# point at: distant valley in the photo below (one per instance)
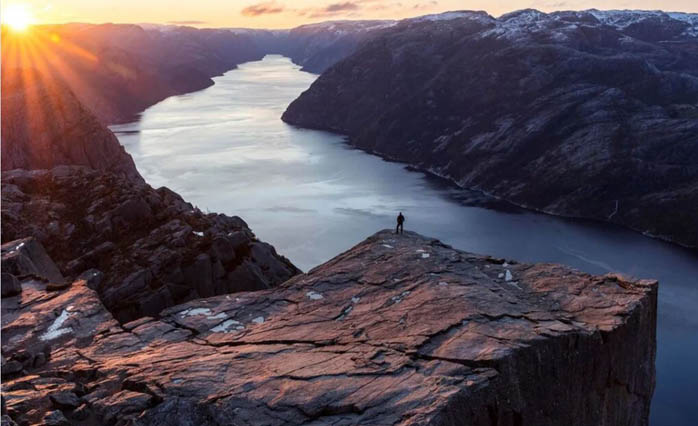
(585, 114)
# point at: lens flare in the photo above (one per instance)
(17, 16)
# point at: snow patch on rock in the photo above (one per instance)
(227, 326)
(313, 295)
(195, 311)
(56, 329)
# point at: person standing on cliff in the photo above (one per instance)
(400, 221)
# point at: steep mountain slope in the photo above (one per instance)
(588, 114)
(44, 125)
(317, 47)
(117, 70)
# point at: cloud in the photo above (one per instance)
(187, 22)
(265, 8)
(341, 7)
(426, 5)
(346, 7)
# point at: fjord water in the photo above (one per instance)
(312, 196)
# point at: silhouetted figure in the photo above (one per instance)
(400, 221)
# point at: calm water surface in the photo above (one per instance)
(309, 194)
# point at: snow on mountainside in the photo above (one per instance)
(580, 113)
(447, 16)
(557, 24)
(345, 27)
(622, 19)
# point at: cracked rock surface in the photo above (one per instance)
(142, 249)
(398, 330)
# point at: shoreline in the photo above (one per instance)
(451, 181)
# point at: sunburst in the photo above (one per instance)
(18, 17)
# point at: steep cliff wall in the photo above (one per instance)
(398, 330)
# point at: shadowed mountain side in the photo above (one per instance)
(44, 125)
(117, 70)
(586, 114)
(396, 331)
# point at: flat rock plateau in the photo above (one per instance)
(397, 330)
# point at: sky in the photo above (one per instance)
(291, 13)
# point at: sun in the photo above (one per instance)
(17, 16)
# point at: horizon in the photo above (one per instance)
(277, 15)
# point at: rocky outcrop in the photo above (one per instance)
(397, 330)
(140, 248)
(585, 114)
(44, 125)
(27, 257)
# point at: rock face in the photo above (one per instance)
(44, 125)
(586, 114)
(398, 330)
(27, 257)
(142, 249)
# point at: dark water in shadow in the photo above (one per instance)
(312, 196)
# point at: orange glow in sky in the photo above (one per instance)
(285, 13)
(17, 16)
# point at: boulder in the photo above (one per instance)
(65, 400)
(397, 330)
(55, 418)
(10, 285)
(27, 256)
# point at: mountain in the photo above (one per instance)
(316, 47)
(118, 70)
(44, 125)
(398, 330)
(586, 114)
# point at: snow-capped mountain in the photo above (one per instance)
(591, 114)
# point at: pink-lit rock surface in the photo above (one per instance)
(397, 330)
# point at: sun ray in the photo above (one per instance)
(18, 16)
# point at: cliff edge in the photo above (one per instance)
(397, 330)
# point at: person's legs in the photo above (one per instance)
(400, 226)
(397, 228)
